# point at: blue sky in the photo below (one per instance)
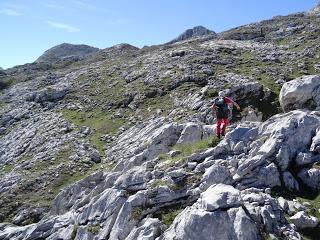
(28, 28)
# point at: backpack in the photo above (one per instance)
(222, 109)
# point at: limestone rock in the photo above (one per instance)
(301, 220)
(311, 177)
(220, 196)
(301, 93)
(191, 133)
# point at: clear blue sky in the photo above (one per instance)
(28, 28)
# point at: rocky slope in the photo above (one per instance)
(119, 145)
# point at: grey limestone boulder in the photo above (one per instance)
(220, 196)
(217, 173)
(315, 145)
(303, 92)
(191, 133)
(311, 177)
(148, 229)
(301, 220)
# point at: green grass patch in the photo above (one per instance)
(269, 83)
(6, 169)
(188, 149)
(136, 213)
(211, 93)
(62, 156)
(24, 158)
(315, 205)
(168, 218)
(94, 229)
(100, 123)
(168, 214)
(283, 41)
(6, 83)
(158, 183)
(3, 105)
(194, 179)
(74, 232)
(311, 234)
(150, 105)
(246, 56)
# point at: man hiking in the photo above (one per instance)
(220, 107)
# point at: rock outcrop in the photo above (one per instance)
(301, 93)
(315, 10)
(235, 199)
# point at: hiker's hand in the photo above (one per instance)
(238, 108)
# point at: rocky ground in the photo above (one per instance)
(117, 144)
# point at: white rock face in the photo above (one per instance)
(197, 223)
(301, 220)
(220, 196)
(310, 177)
(148, 229)
(191, 133)
(280, 139)
(217, 173)
(315, 146)
(303, 92)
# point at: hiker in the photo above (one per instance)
(220, 107)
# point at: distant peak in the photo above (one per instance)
(196, 31)
(316, 9)
(67, 51)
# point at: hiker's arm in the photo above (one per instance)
(213, 109)
(235, 104)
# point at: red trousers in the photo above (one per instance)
(221, 129)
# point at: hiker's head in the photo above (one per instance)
(221, 94)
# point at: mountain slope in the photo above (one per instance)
(115, 145)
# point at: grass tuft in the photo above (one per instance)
(136, 213)
(188, 149)
(94, 229)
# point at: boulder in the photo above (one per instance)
(217, 173)
(197, 223)
(310, 177)
(303, 92)
(303, 159)
(280, 139)
(315, 145)
(301, 220)
(220, 196)
(148, 229)
(191, 133)
(290, 182)
(48, 94)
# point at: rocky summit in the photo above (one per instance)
(198, 31)
(66, 51)
(119, 143)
